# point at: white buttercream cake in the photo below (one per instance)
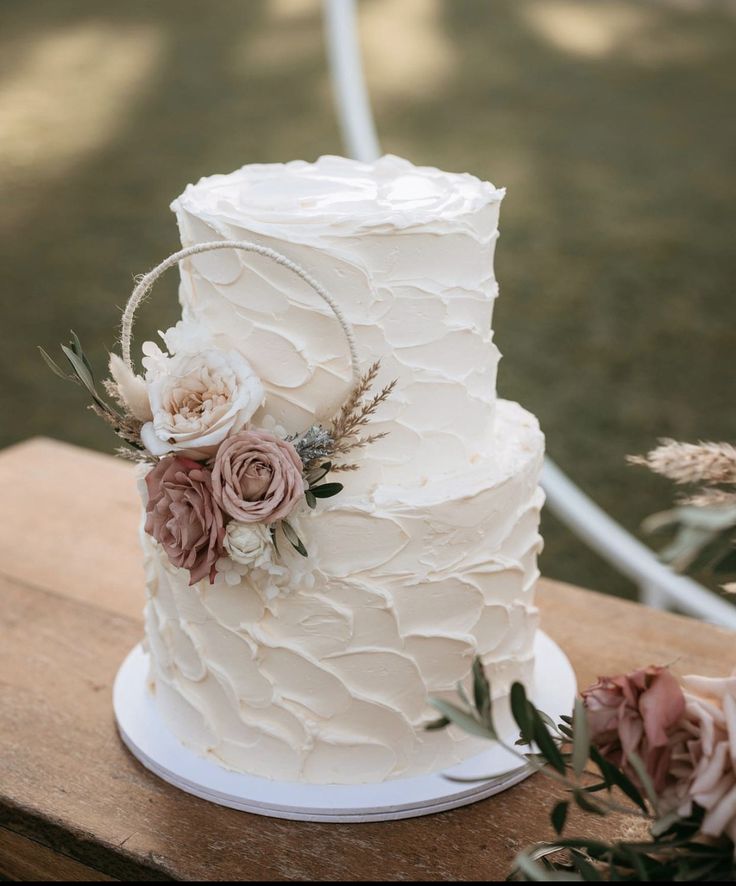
(429, 556)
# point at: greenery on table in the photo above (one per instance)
(704, 519)
(564, 753)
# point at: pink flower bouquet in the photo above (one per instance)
(641, 744)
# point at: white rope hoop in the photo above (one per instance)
(145, 284)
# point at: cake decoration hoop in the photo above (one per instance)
(145, 734)
(145, 284)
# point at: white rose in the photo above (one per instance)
(197, 399)
(248, 544)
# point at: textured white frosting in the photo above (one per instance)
(331, 683)
(408, 253)
(428, 557)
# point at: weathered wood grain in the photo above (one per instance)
(69, 522)
(67, 784)
(24, 859)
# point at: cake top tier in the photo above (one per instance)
(337, 191)
(406, 252)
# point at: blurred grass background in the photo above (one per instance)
(612, 124)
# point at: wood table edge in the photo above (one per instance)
(84, 849)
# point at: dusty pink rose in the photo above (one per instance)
(704, 756)
(636, 713)
(183, 517)
(257, 477)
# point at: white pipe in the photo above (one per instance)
(348, 84)
(566, 501)
(628, 555)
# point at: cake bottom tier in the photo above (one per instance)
(321, 670)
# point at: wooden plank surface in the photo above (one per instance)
(25, 859)
(69, 521)
(68, 785)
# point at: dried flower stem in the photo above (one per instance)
(691, 462)
(356, 413)
(126, 427)
(710, 498)
(345, 467)
(137, 456)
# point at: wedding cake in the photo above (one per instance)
(319, 668)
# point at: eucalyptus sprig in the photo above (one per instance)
(704, 518)
(564, 753)
(82, 374)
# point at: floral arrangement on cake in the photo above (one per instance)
(644, 745)
(221, 492)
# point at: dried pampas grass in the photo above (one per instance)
(129, 390)
(708, 463)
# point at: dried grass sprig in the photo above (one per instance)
(704, 521)
(125, 426)
(137, 456)
(709, 498)
(684, 463)
(346, 415)
(357, 412)
(113, 392)
(319, 445)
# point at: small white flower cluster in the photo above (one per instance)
(250, 549)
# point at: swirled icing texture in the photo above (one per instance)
(407, 252)
(331, 684)
(428, 557)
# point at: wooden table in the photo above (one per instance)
(74, 805)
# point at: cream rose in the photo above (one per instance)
(703, 756)
(197, 399)
(248, 544)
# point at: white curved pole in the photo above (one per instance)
(627, 554)
(348, 84)
(145, 284)
(658, 584)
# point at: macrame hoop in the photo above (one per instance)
(145, 284)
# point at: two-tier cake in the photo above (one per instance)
(319, 668)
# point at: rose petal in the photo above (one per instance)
(661, 706)
(720, 816)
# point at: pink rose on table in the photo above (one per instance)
(257, 477)
(703, 758)
(183, 517)
(636, 713)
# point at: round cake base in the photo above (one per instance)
(147, 737)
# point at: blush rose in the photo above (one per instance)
(703, 760)
(183, 517)
(636, 713)
(257, 477)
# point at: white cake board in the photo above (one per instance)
(144, 732)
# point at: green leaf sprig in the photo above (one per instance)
(82, 374)
(564, 753)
